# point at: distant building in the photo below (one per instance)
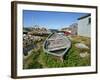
(84, 26)
(74, 28)
(71, 30)
(39, 30)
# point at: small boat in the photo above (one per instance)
(56, 44)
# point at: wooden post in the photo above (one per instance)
(61, 58)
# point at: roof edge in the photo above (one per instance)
(84, 16)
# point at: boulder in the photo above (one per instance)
(81, 45)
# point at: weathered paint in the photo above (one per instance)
(84, 27)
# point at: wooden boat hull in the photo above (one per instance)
(56, 44)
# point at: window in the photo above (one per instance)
(89, 20)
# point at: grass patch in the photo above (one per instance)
(40, 59)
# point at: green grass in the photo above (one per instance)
(40, 59)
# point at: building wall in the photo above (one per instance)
(84, 27)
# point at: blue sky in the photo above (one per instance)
(51, 20)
